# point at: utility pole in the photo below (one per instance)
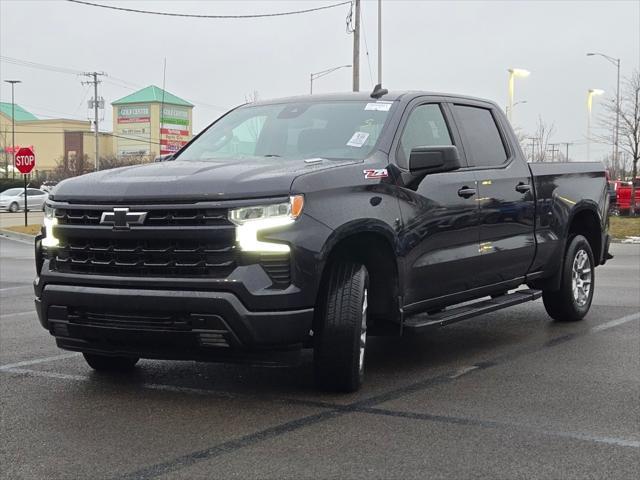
(533, 149)
(95, 103)
(380, 42)
(554, 149)
(356, 49)
(566, 147)
(13, 133)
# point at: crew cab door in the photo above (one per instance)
(505, 193)
(439, 235)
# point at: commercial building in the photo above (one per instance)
(54, 141)
(149, 122)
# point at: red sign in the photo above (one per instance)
(25, 160)
(134, 119)
(173, 131)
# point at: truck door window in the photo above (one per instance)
(425, 127)
(485, 147)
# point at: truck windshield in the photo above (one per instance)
(331, 130)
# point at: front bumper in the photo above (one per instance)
(166, 324)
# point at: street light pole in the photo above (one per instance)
(616, 62)
(590, 94)
(323, 73)
(13, 130)
(513, 73)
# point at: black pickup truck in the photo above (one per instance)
(317, 221)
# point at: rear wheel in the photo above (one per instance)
(340, 343)
(106, 363)
(572, 301)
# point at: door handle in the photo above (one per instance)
(466, 192)
(523, 187)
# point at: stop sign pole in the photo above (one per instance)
(25, 161)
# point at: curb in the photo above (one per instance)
(23, 237)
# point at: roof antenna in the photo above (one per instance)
(378, 91)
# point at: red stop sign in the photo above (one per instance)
(25, 160)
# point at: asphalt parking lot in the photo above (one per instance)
(508, 395)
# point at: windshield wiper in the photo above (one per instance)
(272, 155)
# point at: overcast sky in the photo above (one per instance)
(450, 46)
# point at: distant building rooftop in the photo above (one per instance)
(152, 94)
(21, 114)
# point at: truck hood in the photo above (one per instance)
(190, 181)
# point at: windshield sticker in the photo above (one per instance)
(358, 139)
(374, 173)
(379, 106)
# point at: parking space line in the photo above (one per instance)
(468, 421)
(15, 368)
(17, 314)
(38, 360)
(44, 374)
(11, 289)
(464, 371)
(615, 323)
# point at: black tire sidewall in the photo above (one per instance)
(14, 207)
(337, 344)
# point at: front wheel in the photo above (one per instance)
(13, 208)
(341, 339)
(572, 301)
(106, 363)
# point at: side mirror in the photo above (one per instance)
(434, 159)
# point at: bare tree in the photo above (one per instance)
(629, 130)
(71, 166)
(540, 141)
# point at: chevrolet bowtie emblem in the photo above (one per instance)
(122, 218)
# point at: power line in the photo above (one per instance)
(190, 15)
(41, 66)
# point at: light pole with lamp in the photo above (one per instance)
(323, 73)
(616, 62)
(513, 73)
(13, 130)
(590, 95)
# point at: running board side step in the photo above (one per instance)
(465, 312)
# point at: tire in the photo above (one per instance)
(14, 207)
(340, 343)
(572, 301)
(106, 363)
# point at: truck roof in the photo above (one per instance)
(406, 95)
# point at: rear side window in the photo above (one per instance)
(425, 127)
(484, 143)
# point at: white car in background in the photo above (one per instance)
(13, 199)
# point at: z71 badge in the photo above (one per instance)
(373, 173)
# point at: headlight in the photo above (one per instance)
(49, 221)
(251, 220)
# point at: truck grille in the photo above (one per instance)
(156, 217)
(179, 242)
